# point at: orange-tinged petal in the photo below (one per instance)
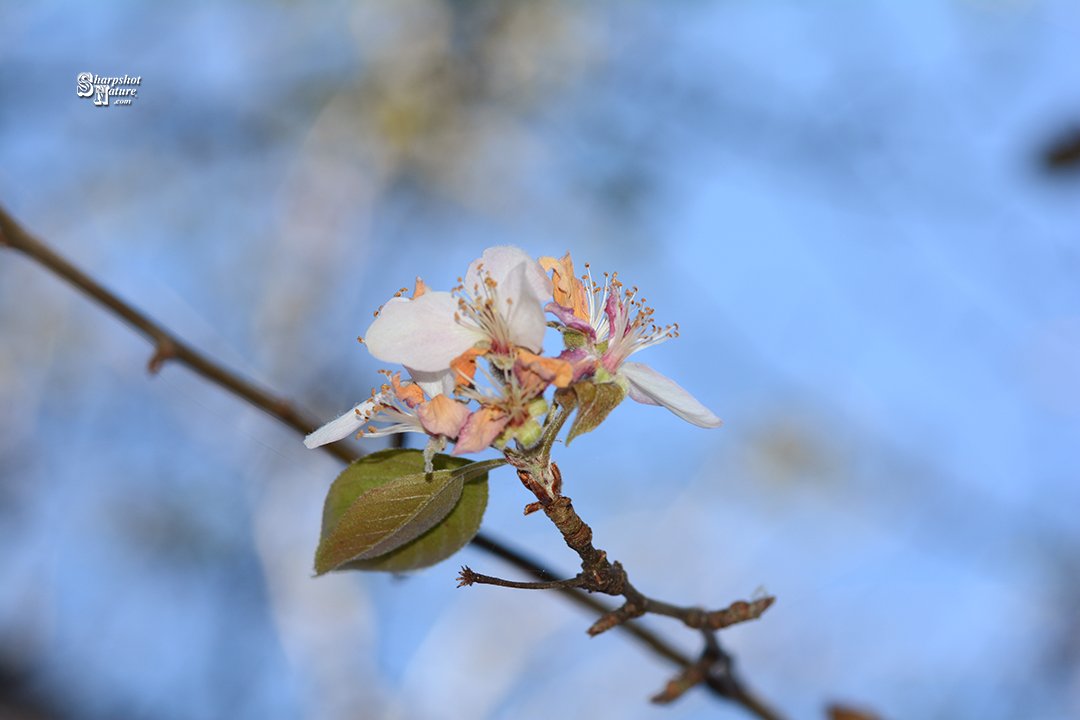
(567, 290)
(557, 372)
(420, 289)
(561, 275)
(443, 415)
(410, 394)
(464, 365)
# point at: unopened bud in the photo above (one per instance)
(529, 433)
(537, 407)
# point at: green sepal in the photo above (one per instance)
(573, 339)
(594, 402)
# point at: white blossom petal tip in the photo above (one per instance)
(498, 262)
(650, 387)
(339, 428)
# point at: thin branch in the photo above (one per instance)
(598, 574)
(468, 577)
(533, 569)
(169, 347)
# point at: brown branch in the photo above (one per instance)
(534, 569)
(168, 347)
(713, 661)
(598, 574)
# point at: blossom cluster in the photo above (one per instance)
(498, 313)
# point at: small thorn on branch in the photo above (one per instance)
(714, 665)
(692, 675)
(626, 611)
(164, 352)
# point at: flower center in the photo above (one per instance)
(488, 312)
(623, 321)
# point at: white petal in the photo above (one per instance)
(420, 333)
(650, 387)
(346, 425)
(525, 313)
(433, 383)
(500, 261)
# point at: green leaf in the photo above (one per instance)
(384, 502)
(438, 543)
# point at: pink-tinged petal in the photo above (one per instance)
(500, 261)
(650, 387)
(443, 416)
(617, 317)
(348, 424)
(421, 333)
(525, 312)
(583, 362)
(567, 317)
(480, 430)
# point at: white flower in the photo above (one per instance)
(498, 307)
(614, 326)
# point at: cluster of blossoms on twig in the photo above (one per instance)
(498, 313)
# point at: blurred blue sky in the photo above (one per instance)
(845, 207)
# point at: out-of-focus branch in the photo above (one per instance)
(166, 345)
(169, 347)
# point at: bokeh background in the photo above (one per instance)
(863, 216)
